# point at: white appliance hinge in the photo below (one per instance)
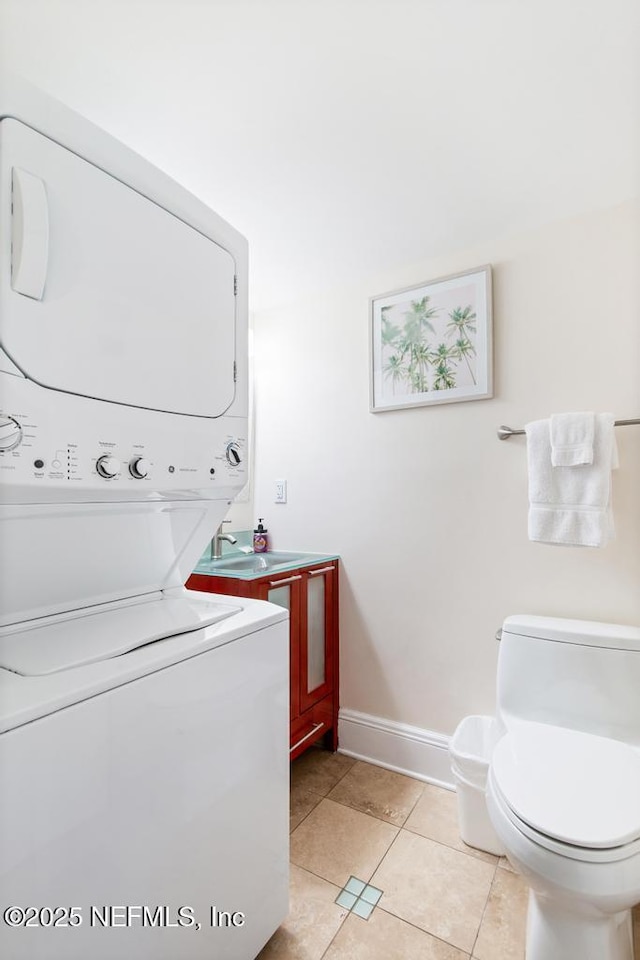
(235, 285)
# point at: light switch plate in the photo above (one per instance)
(281, 491)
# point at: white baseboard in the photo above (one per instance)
(413, 751)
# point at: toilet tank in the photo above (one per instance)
(573, 673)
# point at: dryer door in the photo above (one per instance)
(106, 294)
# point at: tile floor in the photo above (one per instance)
(362, 829)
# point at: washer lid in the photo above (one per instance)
(105, 632)
(576, 787)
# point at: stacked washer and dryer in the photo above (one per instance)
(143, 728)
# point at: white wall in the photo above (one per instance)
(427, 508)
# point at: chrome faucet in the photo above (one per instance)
(216, 543)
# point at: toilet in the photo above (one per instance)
(563, 791)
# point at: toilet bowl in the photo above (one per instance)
(566, 806)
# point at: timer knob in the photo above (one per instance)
(139, 468)
(108, 466)
(233, 454)
(10, 433)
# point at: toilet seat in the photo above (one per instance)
(570, 851)
(574, 793)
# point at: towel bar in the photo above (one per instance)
(505, 432)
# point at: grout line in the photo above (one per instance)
(333, 882)
(342, 922)
(484, 910)
(346, 912)
(333, 785)
(428, 932)
(320, 798)
(318, 876)
(443, 843)
(348, 770)
(363, 813)
(417, 801)
(382, 859)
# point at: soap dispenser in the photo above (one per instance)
(260, 538)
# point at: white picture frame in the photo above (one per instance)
(432, 343)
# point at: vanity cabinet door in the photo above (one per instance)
(318, 633)
(286, 592)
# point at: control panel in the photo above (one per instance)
(53, 441)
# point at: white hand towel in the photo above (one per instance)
(571, 438)
(571, 505)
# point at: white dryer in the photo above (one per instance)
(143, 728)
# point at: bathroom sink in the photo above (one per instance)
(262, 561)
(257, 562)
(254, 565)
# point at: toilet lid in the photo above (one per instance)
(579, 788)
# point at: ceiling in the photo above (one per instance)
(345, 137)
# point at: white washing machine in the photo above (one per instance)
(143, 728)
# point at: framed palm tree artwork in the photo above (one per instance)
(432, 343)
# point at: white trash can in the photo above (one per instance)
(470, 751)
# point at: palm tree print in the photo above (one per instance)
(461, 324)
(420, 315)
(390, 332)
(466, 349)
(462, 321)
(394, 369)
(419, 359)
(410, 358)
(441, 359)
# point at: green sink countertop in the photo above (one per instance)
(250, 566)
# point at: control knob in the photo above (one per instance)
(233, 454)
(108, 466)
(139, 468)
(10, 433)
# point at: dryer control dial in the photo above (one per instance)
(10, 433)
(108, 466)
(139, 468)
(233, 454)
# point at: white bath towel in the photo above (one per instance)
(571, 438)
(571, 505)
